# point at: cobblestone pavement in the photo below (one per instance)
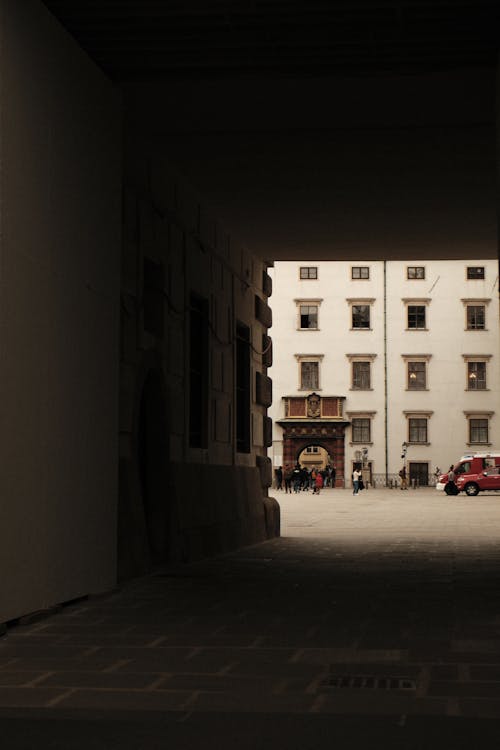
(373, 616)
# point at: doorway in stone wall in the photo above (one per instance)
(152, 456)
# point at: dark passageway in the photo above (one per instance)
(155, 160)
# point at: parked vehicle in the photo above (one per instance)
(474, 473)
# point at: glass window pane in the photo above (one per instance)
(361, 430)
(475, 272)
(361, 316)
(415, 272)
(308, 316)
(418, 430)
(309, 375)
(308, 272)
(360, 272)
(416, 376)
(361, 375)
(478, 430)
(416, 316)
(475, 317)
(476, 376)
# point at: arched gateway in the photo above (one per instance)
(315, 420)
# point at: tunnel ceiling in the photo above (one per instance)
(154, 39)
(316, 129)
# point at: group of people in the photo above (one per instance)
(301, 479)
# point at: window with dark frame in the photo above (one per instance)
(308, 316)
(309, 375)
(198, 372)
(308, 272)
(361, 376)
(416, 316)
(242, 388)
(478, 431)
(476, 317)
(415, 272)
(417, 430)
(360, 272)
(361, 316)
(417, 376)
(361, 430)
(476, 376)
(475, 272)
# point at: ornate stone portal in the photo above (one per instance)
(315, 420)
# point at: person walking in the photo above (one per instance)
(356, 474)
(333, 474)
(279, 478)
(296, 478)
(404, 482)
(318, 483)
(450, 487)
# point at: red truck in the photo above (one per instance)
(474, 473)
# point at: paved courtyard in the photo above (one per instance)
(374, 621)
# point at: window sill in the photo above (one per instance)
(416, 329)
(477, 390)
(308, 329)
(361, 442)
(361, 389)
(410, 443)
(475, 330)
(361, 329)
(312, 388)
(412, 390)
(484, 444)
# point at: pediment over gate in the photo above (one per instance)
(314, 406)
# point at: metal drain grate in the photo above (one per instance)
(369, 682)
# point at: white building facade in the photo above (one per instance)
(385, 363)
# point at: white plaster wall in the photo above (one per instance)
(446, 340)
(59, 285)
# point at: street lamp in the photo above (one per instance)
(404, 448)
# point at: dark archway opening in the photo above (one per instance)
(152, 455)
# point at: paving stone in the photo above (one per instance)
(109, 680)
(18, 678)
(28, 697)
(253, 703)
(483, 708)
(465, 689)
(126, 700)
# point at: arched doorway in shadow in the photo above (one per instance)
(152, 458)
(314, 457)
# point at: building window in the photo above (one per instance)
(308, 315)
(478, 430)
(417, 430)
(475, 272)
(416, 316)
(243, 381)
(312, 449)
(361, 316)
(415, 272)
(361, 430)
(361, 380)
(198, 372)
(476, 317)
(309, 375)
(308, 272)
(476, 376)
(417, 376)
(360, 272)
